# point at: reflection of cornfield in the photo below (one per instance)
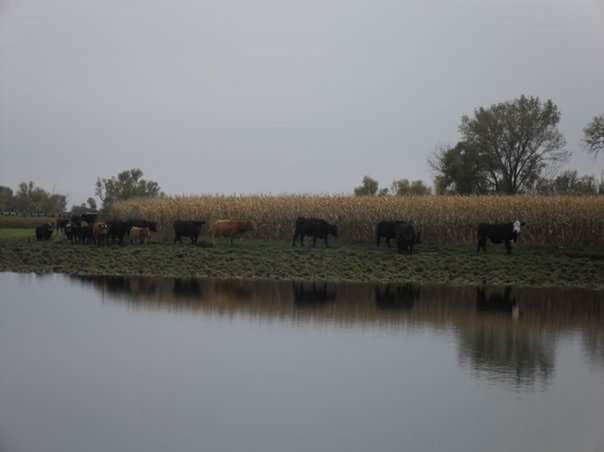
(550, 220)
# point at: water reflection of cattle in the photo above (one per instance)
(394, 298)
(502, 302)
(313, 294)
(234, 290)
(187, 288)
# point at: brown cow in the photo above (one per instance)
(100, 231)
(231, 228)
(139, 234)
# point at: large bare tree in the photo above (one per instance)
(516, 141)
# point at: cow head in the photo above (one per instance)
(516, 229)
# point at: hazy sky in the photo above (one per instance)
(276, 95)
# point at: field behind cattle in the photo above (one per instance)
(563, 221)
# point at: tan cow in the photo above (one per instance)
(140, 235)
(231, 228)
(100, 231)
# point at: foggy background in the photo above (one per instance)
(277, 96)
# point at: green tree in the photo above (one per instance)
(568, 183)
(6, 198)
(369, 187)
(30, 198)
(400, 187)
(91, 203)
(404, 187)
(459, 170)
(127, 184)
(516, 141)
(418, 188)
(593, 135)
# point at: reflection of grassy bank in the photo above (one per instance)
(257, 259)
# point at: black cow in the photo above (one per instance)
(84, 232)
(387, 229)
(118, 230)
(498, 233)
(68, 231)
(152, 225)
(190, 229)
(44, 231)
(61, 223)
(89, 218)
(315, 228)
(406, 237)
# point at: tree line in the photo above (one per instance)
(32, 200)
(510, 148)
(514, 147)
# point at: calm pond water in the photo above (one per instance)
(138, 364)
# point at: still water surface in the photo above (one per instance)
(140, 364)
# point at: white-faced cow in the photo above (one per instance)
(498, 233)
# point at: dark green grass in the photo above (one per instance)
(258, 259)
(24, 222)
(16, 233)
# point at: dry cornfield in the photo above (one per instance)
(558, 221)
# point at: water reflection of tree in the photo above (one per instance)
(500, 349)
(593, 344)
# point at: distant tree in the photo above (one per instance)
(568, 183)
(30, 198)
(383, 192)
(459, 170)
(400, 187)
(516, 141)
(369, 187)
(418, 188)
(593, 135)
(6, 198)
(127, 184)
(404, 187)
(91, 203)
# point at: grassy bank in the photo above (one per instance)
(273, 259)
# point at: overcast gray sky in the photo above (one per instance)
(276, 95)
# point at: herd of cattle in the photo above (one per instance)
(86, 229)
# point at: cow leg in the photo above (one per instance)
(326, 242)
(482, 243)
(294, 240)
(508, 246)
(377, 242)
(388, 241)
(314, 241)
